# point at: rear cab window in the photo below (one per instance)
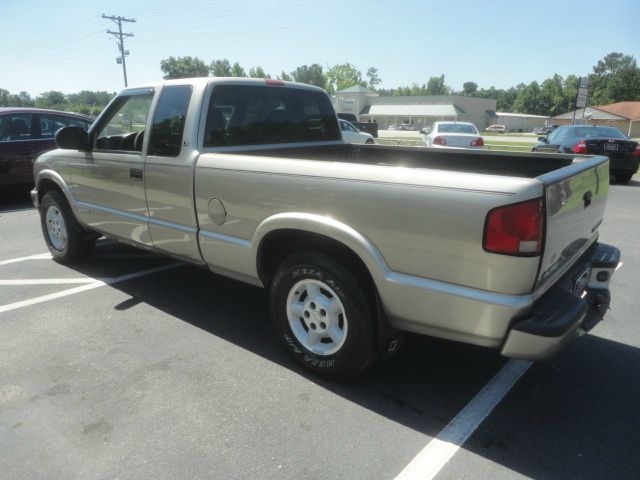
(244, 115)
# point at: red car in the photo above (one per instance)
(25, 133)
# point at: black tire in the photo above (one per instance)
(67, 241)
(369, 142)
(356, 351)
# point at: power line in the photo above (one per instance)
(120, 37)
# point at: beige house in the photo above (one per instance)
(419, 111)
(623, 115)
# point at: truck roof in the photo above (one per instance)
(204, 81)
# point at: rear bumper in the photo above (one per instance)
(564, 313)
(624, 165)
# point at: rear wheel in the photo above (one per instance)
(322, 315)
(62, 233)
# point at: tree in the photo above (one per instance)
(436, 86)
(469, 88)
(50, 99)
(183, 67)
(310, 74)
(552, 100)
(285, 76)
(238, 71)
(258, 72)
(220, 68)
(529, 100)
(374, 79)
(343, 76)
(615, 78)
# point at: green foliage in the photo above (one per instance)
(615, 78)
(183, 67)
(285, 76)
(258, 72)
(374, 79)
(238, 71)
(469, 88)
(310, 74)
(436, 86)
(220, 68)
(343, 76)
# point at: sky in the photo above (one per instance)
(63, 45)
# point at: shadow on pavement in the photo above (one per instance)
(575, 416)
(15, 198)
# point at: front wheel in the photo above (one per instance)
(369, 142)
(322, 315)
(61, 231)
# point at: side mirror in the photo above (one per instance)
(72, 138)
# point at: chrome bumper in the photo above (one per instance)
(563, 313)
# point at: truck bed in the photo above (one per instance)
(525, 165)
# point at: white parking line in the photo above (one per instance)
(47, 281)
(618, 267)
(39, 256)
(439, 451)
(95, 283)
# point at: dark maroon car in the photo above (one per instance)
(623, 153)
(25, 133)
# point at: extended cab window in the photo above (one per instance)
(168, 121)
(125, 123)
(261, 115)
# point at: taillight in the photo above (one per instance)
(515, 229)
(636, 152)
(271, 81)
(580, 147)
(478, 142)
(439, 141)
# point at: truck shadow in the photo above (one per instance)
(572, 417)
(15, 198)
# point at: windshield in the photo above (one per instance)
(599, 132)
(457, 128)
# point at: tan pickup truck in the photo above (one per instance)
(355, 244)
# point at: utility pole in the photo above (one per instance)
(120, 37)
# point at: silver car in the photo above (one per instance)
(453, 134)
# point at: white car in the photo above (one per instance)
(453, 134)
(351, 134)
(496, 129)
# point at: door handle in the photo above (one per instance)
(135, 174)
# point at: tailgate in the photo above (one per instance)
(575, 199)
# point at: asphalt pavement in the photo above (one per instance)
(136, 366)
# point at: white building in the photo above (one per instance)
(520, 122)
(419, 111)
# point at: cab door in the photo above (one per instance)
(108, 181)
(169, 169)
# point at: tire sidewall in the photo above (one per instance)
(357, 351)
(73, 247)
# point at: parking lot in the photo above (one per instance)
(136, 366)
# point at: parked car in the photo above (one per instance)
(366, 127)
(353, 245)
(623, 153)
(407, 126)
(392, 127)
(25, 133)
(496, 129)
(453, 134)
(546, 130)
(351, 134)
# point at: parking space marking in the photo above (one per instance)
(39, 256)
(95, 283)
(618, 267)
(46, 281)
(441, 449)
